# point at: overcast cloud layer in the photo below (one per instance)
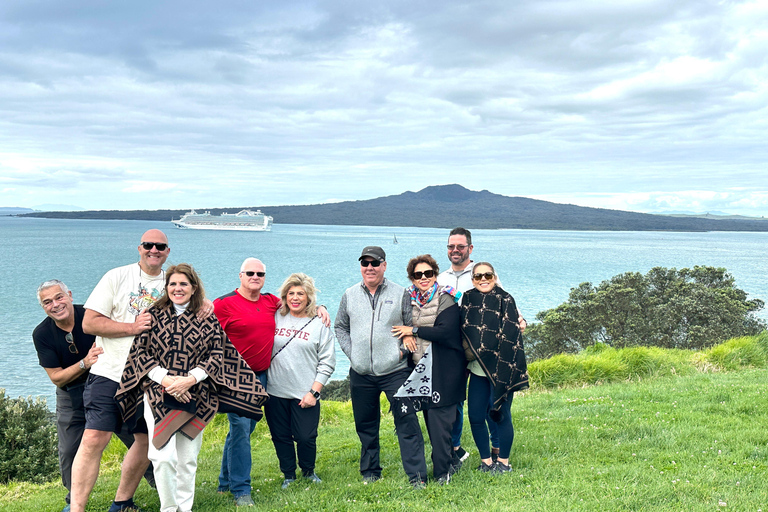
(638, 105)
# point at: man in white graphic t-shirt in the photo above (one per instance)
(116, 312)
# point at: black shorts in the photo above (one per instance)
(101, 411)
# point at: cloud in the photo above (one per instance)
(332, 99)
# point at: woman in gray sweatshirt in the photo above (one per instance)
(303, 359)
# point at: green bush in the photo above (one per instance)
(337, 390)
(28, 444)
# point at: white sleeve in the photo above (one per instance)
(157, 374)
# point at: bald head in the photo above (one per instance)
(153, 251)
(154, 235)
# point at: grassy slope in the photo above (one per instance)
(691, 441)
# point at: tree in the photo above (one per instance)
(687, 309)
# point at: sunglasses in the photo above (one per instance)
(250, 273)
(487, 275)
(149, 245)
(459, 247)
(373, 263)
(427, 273)
(71, 343)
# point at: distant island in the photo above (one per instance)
(447, 206)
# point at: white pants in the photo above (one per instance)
(175, 467)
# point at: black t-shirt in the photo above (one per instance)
(52, 347)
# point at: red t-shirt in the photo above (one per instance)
(249, 325)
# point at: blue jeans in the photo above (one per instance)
(235, 475)
(480, 399)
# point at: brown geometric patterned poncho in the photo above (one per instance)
(180, 343)
(489, 324)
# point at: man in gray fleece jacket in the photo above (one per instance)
(378, 362)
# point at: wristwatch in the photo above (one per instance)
(315, 394)
(415, 331)
(82, 364)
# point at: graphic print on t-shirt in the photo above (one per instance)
(143, 299)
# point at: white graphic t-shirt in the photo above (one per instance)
(121, 295)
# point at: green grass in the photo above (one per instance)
(658, 439)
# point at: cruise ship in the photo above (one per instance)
(244, 220)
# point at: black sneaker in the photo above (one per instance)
(418, 484)
(125, 507)
(485, 468)
(494, 454)
(499, 468)
(443, 480)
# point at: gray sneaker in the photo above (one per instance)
(244, 501)
(312, 477)
(369, 479)
(444, 479)
(287, 482)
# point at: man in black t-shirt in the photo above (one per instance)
(66, 353)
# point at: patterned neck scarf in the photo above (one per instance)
(421, 299)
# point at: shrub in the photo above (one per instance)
(337, 390)
(28, 443)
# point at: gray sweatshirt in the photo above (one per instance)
(364, 327)
(307, 358)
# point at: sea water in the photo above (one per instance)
(539, 268)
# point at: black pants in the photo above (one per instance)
(439, 422)
(366, 390)
(289, 423)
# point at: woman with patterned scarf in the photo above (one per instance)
(174, 379)
(436, 385)
(489, 324)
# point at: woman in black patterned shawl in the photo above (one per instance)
(174, 377)
(489, 324)
(436, 384)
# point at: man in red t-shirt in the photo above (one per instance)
(248, 318)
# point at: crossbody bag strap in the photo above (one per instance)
(290, 340)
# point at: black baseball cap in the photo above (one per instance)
(375, 252)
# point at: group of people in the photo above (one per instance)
(149, 358)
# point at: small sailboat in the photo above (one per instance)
(395, 240)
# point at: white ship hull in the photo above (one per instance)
(245, 220)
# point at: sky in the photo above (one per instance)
(642, 105)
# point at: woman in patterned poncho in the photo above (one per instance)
(174, 378)
(489, 324)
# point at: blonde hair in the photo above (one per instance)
(308, 285)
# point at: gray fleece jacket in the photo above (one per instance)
(364, 327)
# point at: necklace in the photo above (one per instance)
(142, 290)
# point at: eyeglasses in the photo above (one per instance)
(250, 273)
(71, 343)
(373, 263)
(427, 273)
(459, 247)
(149, 245)
(487, 275)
